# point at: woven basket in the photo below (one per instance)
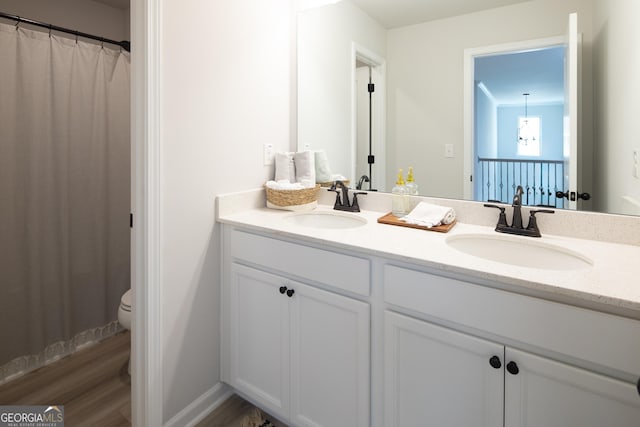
(330, 183)
(285, 198)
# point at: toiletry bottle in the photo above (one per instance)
(399, 197)
(412, 187)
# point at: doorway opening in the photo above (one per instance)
(515, 101)
(368, 137)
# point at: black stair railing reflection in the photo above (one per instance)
(540, 179)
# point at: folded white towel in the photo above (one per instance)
(323, 171)
(284, 185)
(285, 167)
(429, 215)
(305, 166)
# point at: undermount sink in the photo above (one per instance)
(519, 251)
(325, 219)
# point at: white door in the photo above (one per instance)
(329, 359)
(571, 137)
(439, 377)
(378, 126)
(259, 337)
(363, 121)
(368, 119)
(545, 393)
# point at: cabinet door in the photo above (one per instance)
(259, 338)
(329, 359)
(546, 393)
(438, 377)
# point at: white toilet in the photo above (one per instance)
(124, 315)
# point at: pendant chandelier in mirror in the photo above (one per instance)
(528, 133)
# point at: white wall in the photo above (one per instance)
(425, 83)
(486, 125)
(225, 91)
(486, 129)
(325, 70)
(81, 15)
(616, 100)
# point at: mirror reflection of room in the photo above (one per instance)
(428, 122)
(518, 136)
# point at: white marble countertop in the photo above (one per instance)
(610, 284)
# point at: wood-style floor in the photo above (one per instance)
(92, 384)
(237, 412)
(95, 389)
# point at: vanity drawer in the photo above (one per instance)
(596, 337)
(338, 270)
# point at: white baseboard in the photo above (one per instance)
(197, 410)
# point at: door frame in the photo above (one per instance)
(470, 55)
(378, 130)
(146, 235)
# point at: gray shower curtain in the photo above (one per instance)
(64, 189)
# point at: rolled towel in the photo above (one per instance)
(323, 171)
(285, 167)
(305, 166)
(429, 215)
(284, 185)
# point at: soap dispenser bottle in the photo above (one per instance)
(412, 187)
(399, 197)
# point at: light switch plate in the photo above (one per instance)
(268, 154)
(448, 150)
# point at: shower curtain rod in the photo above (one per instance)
(125, 44)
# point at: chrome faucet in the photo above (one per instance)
(343, 204)
(516, 227)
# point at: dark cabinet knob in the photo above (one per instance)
(495, 362)
(283, 289)
(290, 293)
(512, 367)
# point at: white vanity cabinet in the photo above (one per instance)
(301, 352)
(543, 392)
(259, 337)
(437, 374)
(322, 334)
(440, 377)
